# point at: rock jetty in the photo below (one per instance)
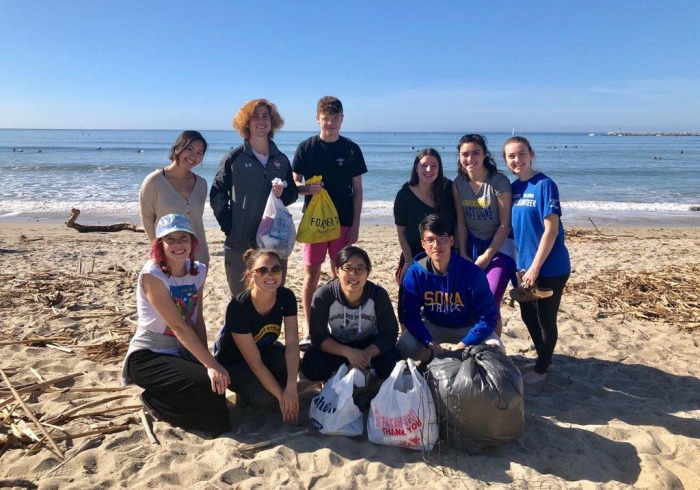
(652, 133)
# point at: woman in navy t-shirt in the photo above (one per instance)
(262, 370)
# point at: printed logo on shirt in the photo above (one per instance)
(478, 209)
(267, 335)
(442, 302)
(341, 161)
(186, 300)
(248, 165)
(527, 199)
(554, 203)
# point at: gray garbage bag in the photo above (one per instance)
(479, 398)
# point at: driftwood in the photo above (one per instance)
(90, 228)
(248, 450)
(31, 415)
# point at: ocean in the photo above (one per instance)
(623, 180)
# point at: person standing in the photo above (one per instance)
(542, 253)
(243, 182)
(427, 192)
(177, 189)
(483, 200)
(340, 163)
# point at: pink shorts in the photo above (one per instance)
(315, 253)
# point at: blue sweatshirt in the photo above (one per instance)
(458, 299)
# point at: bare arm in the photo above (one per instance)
(505, 202)
(159, 297)
(354, 232)
(147, 210)
(305, 190)
(551, 228)
(289, 404)
(461, 224)
(405, 249)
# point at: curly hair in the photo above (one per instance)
(241, 121)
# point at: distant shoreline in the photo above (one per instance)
(652, 133)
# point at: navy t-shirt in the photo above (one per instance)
(243, 318)
(337, 163)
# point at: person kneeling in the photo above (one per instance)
(446, 298)
(352, 321)
(263, 371)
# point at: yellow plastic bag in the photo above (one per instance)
(320, 222)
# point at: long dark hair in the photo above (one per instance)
(438, 183)
(489, 161)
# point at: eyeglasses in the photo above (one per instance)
(275, 270)
(360, 271)
(440, 240)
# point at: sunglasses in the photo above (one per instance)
(275, 270)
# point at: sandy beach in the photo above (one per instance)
(620, 410)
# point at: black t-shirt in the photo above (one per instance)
(409, 211)
(242, 317)
(337, 163)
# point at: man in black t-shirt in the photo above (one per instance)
(340, 163)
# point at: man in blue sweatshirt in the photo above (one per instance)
(446, 298)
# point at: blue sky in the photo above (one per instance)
(396, 65)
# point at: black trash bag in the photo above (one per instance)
(478, 394)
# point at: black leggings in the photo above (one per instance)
(319, 366)
(540, 317)
(179, 391)
(245, 383)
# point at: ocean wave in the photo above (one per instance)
(655, 207)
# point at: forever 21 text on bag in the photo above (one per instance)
(320, 222)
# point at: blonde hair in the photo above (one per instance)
(241, 121)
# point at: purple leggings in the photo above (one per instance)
(498, 273)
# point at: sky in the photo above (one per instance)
(405, 65)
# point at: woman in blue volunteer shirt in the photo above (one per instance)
(542, 254)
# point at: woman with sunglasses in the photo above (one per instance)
(168, 356)
(263, 371)
(352, 322)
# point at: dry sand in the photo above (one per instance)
(620, 410)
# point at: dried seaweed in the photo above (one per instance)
(669, 295)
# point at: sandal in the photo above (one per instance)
(526, 294)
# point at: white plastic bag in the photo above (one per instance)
(333, 410)
(403, 412)
(276, 231)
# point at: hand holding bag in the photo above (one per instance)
(333, 410)
(276, 230)
(320, 222)
(403, 412)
